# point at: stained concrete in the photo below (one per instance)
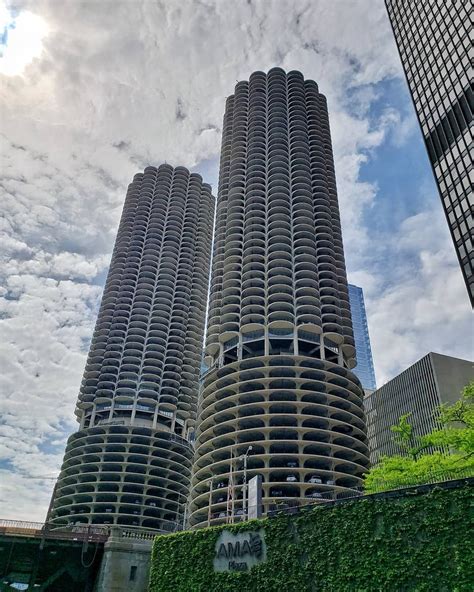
(126, 563)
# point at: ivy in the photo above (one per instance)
(417, 541)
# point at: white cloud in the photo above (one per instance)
(421, 304)
(120, 85)
(25, 35)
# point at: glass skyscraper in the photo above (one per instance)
(433, 41)
(365, 365)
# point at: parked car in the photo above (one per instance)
(315, 479)
(222, 515)
(292, 463)
(291, 478)
(331, 482)
(315, 494)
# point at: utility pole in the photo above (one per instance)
(244, 457)
(210, 504)
(230, 490)
(185, 514)
(180, 504)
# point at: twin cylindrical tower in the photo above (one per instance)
(279, 346)
(130, 461)
(278, 388)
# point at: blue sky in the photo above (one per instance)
(399, 169)
(92, 93)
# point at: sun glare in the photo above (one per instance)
(21, 37)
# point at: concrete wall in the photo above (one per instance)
(452, 374)
(125, 565)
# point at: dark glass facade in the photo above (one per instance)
(365, 365)
(433, 41)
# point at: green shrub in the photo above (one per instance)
(412, 542)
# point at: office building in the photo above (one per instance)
(364, 369)
(418, 390)
(433, 41)
(279, 398)
(130, 461)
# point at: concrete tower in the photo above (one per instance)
(130, 461)
(279, 337)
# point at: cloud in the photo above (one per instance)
(21, 40)
(399, 127)
(420, 304)
(120, 85)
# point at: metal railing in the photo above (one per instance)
(289, 505)
(404, 481)
(83, 532)
(91, 533)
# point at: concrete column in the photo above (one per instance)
(112, 408)
(340, 357)
(134, 410)
(155, 417)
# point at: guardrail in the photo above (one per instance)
(76, 532)
(90, 533)
(404, 481)
(290, 505)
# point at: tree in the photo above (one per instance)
(410, 444)
(457, 420)
(453, 456)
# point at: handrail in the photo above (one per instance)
(76, 532)
(82, 532)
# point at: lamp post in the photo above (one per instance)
(244, 457)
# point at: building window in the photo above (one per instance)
(133, 573)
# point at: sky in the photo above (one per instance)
(93, 91)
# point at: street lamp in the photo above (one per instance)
(244, 457)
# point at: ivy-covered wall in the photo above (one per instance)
(417, 541)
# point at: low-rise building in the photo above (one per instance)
(418, 390)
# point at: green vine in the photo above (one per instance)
(418, 542)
